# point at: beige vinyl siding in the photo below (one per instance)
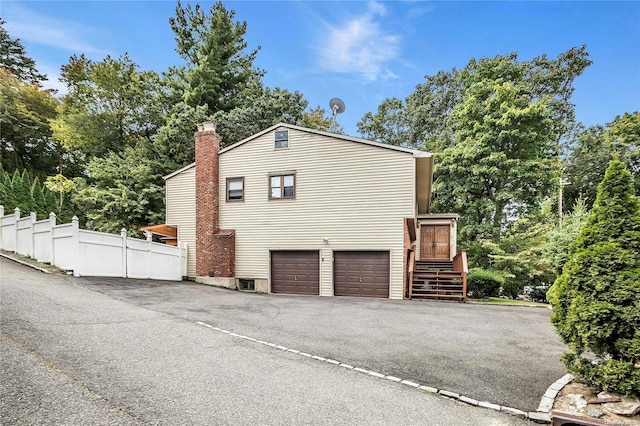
(354, 194)
(181, 211)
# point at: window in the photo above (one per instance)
(282, 186)
(247, 285)
(282, 139)
(235, 189)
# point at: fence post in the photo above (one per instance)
(123, 234)
(184, 258)
(149, 237)
(52, 224)
(77, 265)
(1, 217)
(16, 216)
(32, 252)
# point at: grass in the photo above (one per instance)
(46, 266)
(501, 301)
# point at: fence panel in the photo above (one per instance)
(64, 247)
(43, 240)
(100, 255)
(8, 232)
(90, 253)
(24, 245)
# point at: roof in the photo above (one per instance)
(177, 172)
(414, 152)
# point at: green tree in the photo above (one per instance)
(40, 203)
(271, 107)
(109, 105)
(592, 150)
(13, 57)
(556, 248)
(219, 71)
(7, 199)
(25, 139)
(62, 187)
(388, 125)
(124, 192)
(21, 188)
(519, 257)
(596, 300)
(316, 118)
(502, 163)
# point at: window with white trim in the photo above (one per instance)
(281, 139)
(235, 189)
(282, 186)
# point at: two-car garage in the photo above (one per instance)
(355, 273)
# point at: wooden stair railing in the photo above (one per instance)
(439, 280)
(460, 265)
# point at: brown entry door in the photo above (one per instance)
(361, 273)
(434, 242)
(295, 272)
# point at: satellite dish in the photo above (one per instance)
(337, 106)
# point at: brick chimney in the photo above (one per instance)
(215, 249)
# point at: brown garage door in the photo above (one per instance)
(361, 273)
(295, 272)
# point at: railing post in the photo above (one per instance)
(123, 234)
(75, 230)
(52, 224)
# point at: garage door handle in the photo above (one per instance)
(360, 279)
(295, 278)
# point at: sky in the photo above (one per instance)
(359, 51)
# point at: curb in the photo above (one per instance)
(535, 416)
(24, 263)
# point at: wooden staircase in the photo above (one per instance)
(438, 279)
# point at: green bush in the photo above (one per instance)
(483, 283)
(596, 300)
(538, 294)
(512, 287)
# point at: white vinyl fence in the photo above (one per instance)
(91, 253)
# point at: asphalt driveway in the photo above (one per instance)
(500, 354)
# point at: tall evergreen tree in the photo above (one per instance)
(219, 70)
(40, 203)
(13, 57)
(596, 300)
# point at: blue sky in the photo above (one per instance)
(359, 51)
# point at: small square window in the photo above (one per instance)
(282, 139)
(282, 186)
(235, 189)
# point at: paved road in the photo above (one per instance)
(72, 355)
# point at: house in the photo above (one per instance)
(301, 211)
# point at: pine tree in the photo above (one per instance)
(39, 200)
(596, 300)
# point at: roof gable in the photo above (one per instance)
(414, 152)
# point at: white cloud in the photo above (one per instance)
(360, 46)
(38, 29)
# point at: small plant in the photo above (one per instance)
(482, 283)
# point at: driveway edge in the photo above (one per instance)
(24, 263)
(538, 417)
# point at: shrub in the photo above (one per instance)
(483, 283)
(538, 294)
(512, 287)
(596, 300)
